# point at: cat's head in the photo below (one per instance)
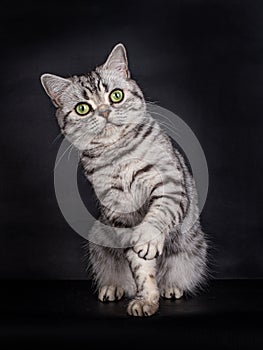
(99, 104)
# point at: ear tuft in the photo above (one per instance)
(118, 61)
(54, 86)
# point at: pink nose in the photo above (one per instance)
(104, 110)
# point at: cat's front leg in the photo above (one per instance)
(148, 241)
(146, 302)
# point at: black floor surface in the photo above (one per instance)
(227, 315)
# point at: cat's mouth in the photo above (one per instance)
(108, 130)
(111, 123)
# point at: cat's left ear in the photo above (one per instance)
(118, 61)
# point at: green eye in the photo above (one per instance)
(82, 108)
(116, 95)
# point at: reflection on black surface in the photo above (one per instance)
(225, 315)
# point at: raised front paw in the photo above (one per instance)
(110, 293)
(148, 242)
(149, 250)
(142, 307)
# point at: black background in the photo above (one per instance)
(201, 59)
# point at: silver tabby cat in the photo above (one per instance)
(142, 183)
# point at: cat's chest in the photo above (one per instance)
(119, 175)
(124, 186)
(122, 174)
(132, 175)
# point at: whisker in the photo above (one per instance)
(151, 102)
(56, 138)
(68, 149)
(169, 127)
(62, 156)
(161, 115)
(69, 153)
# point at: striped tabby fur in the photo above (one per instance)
(142, 184)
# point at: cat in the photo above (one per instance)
(142, 183)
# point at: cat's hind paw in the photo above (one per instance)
(142, 307)
(172, 293)
(110, 293)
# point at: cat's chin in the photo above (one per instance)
(109, 130)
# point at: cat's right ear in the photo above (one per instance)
(54, 87)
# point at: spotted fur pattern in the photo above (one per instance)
(142, 184)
